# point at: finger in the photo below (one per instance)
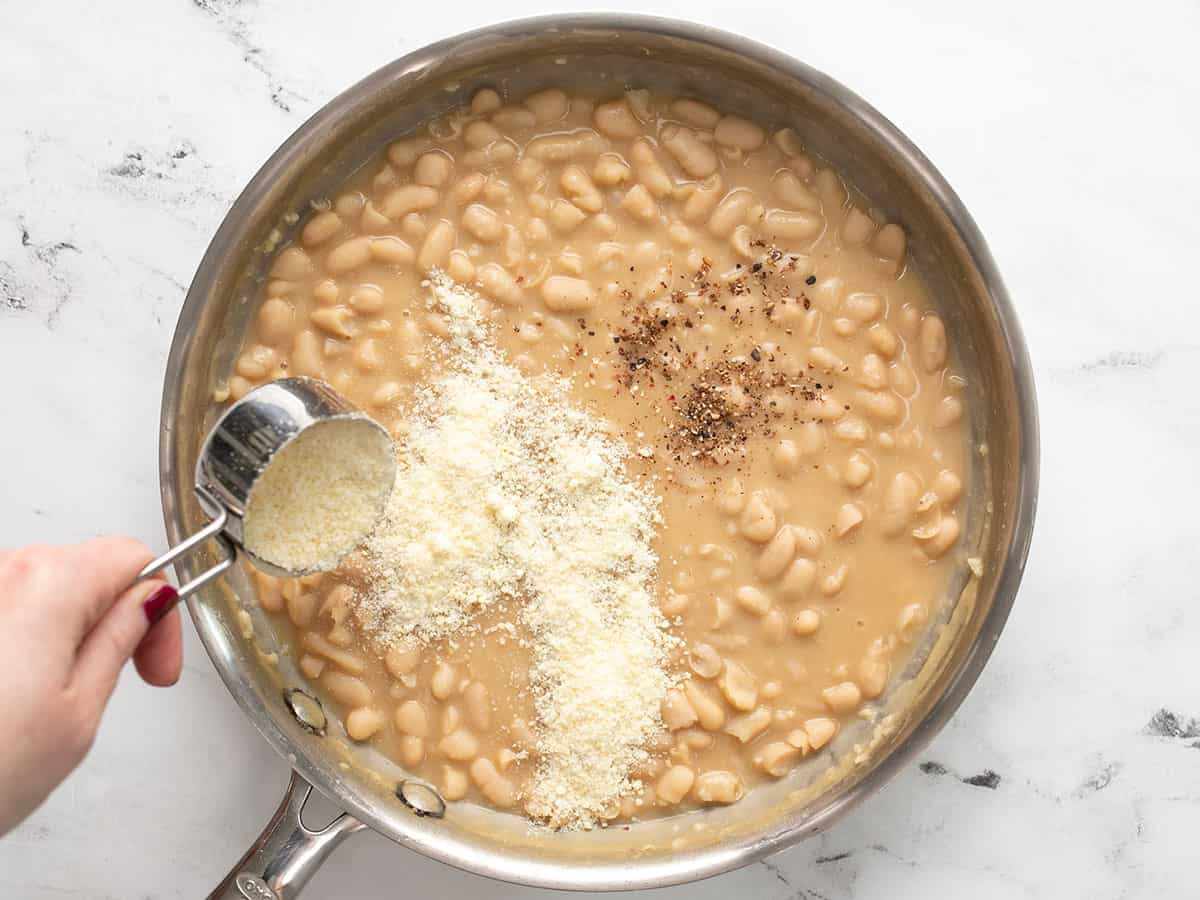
(105, 568)
(159, 657)
(115, 638)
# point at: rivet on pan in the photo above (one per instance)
(307, 709)
(421, 799)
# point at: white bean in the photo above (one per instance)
(730, 212)
(677, 711)
(832, 584)
(566, 146)
(562, 293)
(857, 227)
(512, 118)
(616, 120)
(650, 171)
(843, 697)
(873, 676)
(674, 784)
(750, 725)
(882, 406)
(734, 131)
(752, 600)
(849, 517)
(932, 343)
(794, 193)
(899, 503)
(548, 105)
(777, 758)
(408, 198)
(333, 320)
(806, 622)
(610, 170)
(444, 681)
(433, 168)
(890, 242)
(497, 284)
(883, 340)
(402, 659)
(346, 689)
(946, 537)
(788, 142)
(947, 486)
(757, 522)
(863, 307)
(437, 246)
(392, 251)
(777, 555)
(459, 267)
(738, 686)
(857, 470)
(348, 255)
(703, 199)
(579, 186)
(798, 580)
(709, 712)
(412, 750)
(480, 134)
(306, 356)
(820, 731)
(719, 786)
(468, 188)
(793, 225)
(459, 745)
(276, 321)
(695, 113)
(362, 723)
(704, 660)
(454, 783)
(483, 223)
(495, 787)
(484, 101)
(696, 158)
(320, 228)
(411, 718)
(639, 203)
(830, 189)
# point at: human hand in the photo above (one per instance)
(68, 623)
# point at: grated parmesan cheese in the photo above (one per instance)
(506, 491)
(319, 496)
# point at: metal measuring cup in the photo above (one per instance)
(237, 451)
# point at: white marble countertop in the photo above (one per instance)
(1070, 130)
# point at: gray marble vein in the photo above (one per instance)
(36, 278)
(230, 17)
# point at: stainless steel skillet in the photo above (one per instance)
(945, 244)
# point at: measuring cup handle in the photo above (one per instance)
(214, 530)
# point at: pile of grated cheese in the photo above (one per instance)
(505, 490)
(319, 496)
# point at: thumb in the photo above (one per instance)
(115, 637)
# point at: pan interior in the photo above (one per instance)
(776, 91)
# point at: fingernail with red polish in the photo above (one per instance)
(160, 603)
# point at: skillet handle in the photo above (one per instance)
(287, 853)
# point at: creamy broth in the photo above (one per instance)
(733, 312)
